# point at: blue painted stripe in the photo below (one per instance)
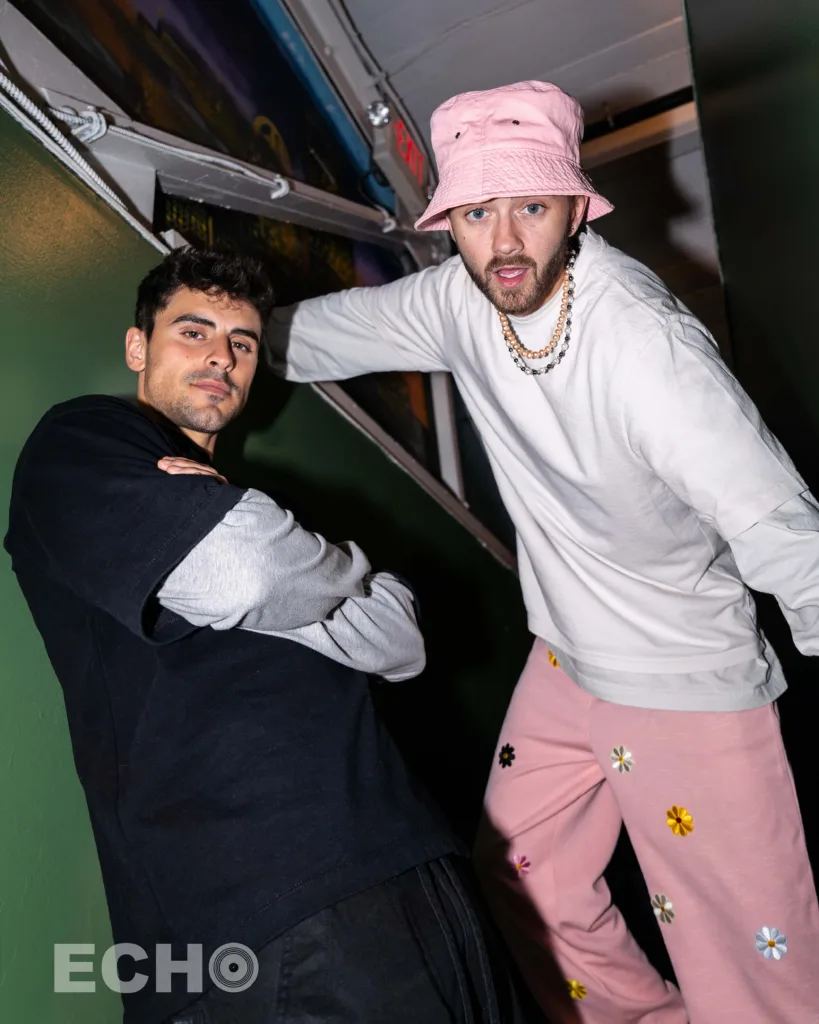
(307, 68)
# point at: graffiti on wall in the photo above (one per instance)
(211, 73)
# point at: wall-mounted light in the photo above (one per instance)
(379, 113)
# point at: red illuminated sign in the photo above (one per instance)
(410, 153)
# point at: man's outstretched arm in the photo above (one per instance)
(398, 326)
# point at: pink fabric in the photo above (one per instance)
(519, 140)
(578, 767)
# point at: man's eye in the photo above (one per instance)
(475, 215)
(242, 345)
(193, 334)
(534, 208)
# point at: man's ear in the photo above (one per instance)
(449, 225)
(581, 208)
(135, 342)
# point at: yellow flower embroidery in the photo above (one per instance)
(576, 990)
(553, 660)
(679, 820)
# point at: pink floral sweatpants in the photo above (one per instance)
(710, 807)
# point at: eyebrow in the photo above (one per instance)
(519, 199)
(192, 318)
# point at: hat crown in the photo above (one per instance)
(525, 115)
(518, 140)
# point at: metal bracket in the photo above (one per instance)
(359, 81)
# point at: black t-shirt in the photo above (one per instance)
(237, 783)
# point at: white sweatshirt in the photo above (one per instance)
(630, 471)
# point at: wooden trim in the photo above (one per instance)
(673, 124)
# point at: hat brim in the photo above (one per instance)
(508, 173)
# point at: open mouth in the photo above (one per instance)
(510, 277)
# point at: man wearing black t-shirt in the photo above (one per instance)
(213, 656)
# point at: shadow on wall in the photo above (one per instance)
(662, 218)
(758, 95)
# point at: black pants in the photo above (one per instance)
(409, 951)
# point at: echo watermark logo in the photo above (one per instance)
(232, 967)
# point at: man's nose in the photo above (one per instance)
(222, 354)
(506, 240)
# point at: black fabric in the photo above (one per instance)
(236, 783)
(408, 951)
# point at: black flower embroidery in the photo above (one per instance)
(506, 755)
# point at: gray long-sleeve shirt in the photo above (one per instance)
(259, 570)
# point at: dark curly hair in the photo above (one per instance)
(203, 270)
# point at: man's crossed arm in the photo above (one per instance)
(259, 570)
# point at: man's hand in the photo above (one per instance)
(187, 467)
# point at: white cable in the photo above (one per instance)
(90, 125)
(94, 124)
(34, 112)
(29, 116)
(278, 185)
(390, 223)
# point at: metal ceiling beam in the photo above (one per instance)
(176, 166)
(398, 149)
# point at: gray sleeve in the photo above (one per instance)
(779, 555)
(258, 569)
(376, 633)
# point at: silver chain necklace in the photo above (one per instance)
(513, 343)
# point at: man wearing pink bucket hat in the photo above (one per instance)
(646, 493)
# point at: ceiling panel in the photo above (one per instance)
(620, 53)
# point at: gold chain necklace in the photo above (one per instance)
(519, 353)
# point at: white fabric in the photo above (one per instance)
(742, 687)
(626, 470)
(780, 556)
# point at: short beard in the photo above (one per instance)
(534, 293)
(184, 414)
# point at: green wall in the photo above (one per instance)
(68, 271)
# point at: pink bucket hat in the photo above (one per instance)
(519, 140)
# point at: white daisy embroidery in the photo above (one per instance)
(771, 943)
(663, 908)
(622, 760)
